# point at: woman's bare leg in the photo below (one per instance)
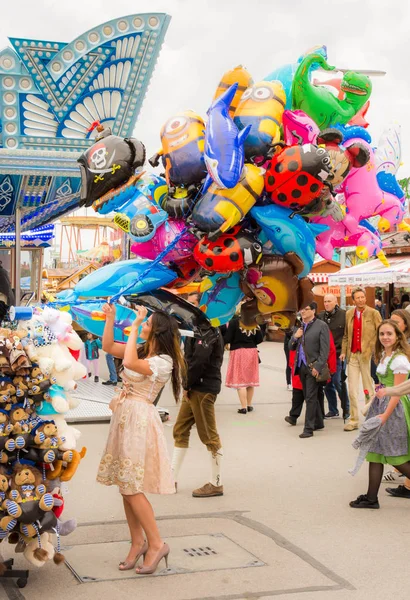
(249, 395)
(242, 397)
(142, 509)
(136, 531)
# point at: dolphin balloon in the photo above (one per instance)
(288, 235)
(91, 318)
(224, 144)
(111, 279)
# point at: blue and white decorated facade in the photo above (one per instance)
(51, 93)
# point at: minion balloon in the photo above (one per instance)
(237, 75)
(219, 209)
(182, 152)
(261, 107)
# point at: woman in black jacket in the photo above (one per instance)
(243, 367)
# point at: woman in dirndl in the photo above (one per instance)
(243, 366)
(136, 457)
(391, 446)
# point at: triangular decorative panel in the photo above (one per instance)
(51, 92)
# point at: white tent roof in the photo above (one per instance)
(374, 273)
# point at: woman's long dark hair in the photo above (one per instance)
(400, 347)
(164, 338)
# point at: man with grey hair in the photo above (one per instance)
(335, 318)
(358, 345)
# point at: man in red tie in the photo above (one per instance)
(357, 348)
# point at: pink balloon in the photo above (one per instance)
(164, 236)
(297, 122)
(339, 236)
(365, 199)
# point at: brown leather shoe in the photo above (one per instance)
(208, 490)
(350, 427)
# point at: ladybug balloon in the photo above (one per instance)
(296, 176)
(230, 252)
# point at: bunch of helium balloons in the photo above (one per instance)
(281, 169)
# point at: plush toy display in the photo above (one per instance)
(37, 447)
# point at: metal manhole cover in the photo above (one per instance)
(189, 554)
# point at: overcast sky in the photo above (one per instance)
(207, 37)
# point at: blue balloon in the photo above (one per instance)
(141, 214)
(220, 297)
(288, 234)
(388, 183)
(91, 318)
(224, 151)
(111, 279)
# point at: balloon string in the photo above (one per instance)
(148, 269)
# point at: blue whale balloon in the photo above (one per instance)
(111, 279)
(288, 234)
(224, 144)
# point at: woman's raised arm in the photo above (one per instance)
(108, 344)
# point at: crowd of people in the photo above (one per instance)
(319, 349)
(331, 356)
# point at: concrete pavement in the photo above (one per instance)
(282, 529)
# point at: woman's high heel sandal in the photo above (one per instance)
(127, 565)
(163, 553)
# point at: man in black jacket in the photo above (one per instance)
(312, 344)
(335, 317)
(204, 358)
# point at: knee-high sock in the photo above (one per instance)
(177, 460)
(216, 461)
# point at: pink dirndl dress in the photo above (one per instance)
(136, 456)
(243, 368)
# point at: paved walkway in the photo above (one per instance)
(283, 529)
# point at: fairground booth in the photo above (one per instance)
(50, 95)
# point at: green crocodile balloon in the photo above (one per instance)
(319, 103)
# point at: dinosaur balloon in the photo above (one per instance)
(319, 103)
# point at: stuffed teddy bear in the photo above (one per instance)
(7, 394)
(29, 503)
(60, 323)
(38, 386)
(5, 368)
(38, 554)
(21, 385)
(42, 347)
(46, 437)
(20, 419)
(4, 486)
(67, 432)
(19, 361)
(6, 428)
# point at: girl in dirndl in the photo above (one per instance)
(392, 444)
(136, 457)
(243, 366)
